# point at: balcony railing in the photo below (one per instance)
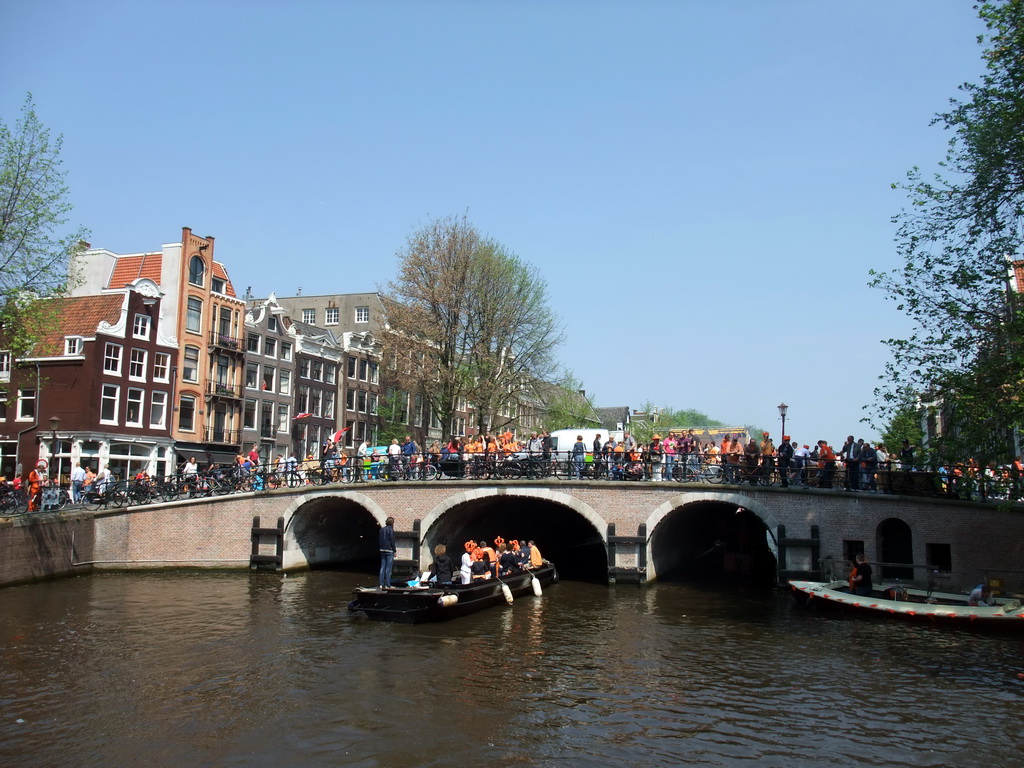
(216, 389)
(223, 436)
(223, 341)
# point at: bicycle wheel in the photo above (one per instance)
(511, 471)
(8, 504)
(428, 472)
(292, 479)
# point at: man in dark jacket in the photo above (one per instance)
(386, 540)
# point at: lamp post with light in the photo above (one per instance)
(782, 412)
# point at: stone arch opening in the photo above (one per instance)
(563, 528)
(896, 545)
(713, 541)
(333, 531)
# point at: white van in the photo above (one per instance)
(562, 440)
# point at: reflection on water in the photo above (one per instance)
(218, 669)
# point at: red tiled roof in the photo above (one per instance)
(219, 271)
(76, 316)
(130, 268)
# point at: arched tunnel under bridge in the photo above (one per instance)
(338, 532)
(716, 542)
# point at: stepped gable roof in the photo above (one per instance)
(77, 316)
(222, 273)
(130, 268)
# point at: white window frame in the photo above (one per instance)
(191, 399)
(284, 381)
(184, 364)
(362, 314)
(269, 347)
(286, 351)
(158, 400)
(309, 316)
(141, 326)
(246, 413)
(137, 359)
(112, 354)
(332, 316)
(188, 315)
(110, 392)
(136, 395)
(73, 345)
(161, 367)
(283, 418)
(5, 365)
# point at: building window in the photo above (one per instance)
(304, 368)
(303, 405)
(72, 345)
(112, 359)
(350, 399)
(140, 328)
(362, 314)
(331, 316)
(268, 378)
(217, 285)
(137, 365)
(286, 351)
(285, 377)
(417, 418)
(158, 411)
(351, 367)
(194, 315)
(187, 413)
(272, 324)
(371, 403)
(318, 370)
(361, 401)
(249, 415)
(190, 367)
(328, 404)
(26, 404)
(283, 413)
(252, 343)
(252, 375)
(5, 366)
(270, 347)
(161, 366)
(364, 367)
(196, 271)
(330, 373)
(133, 407)
(314, 402)
(309, 316)
(108, 403)
(374, 372)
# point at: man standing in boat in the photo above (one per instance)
(861, 581)
(386, 540)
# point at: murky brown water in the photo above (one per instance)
(231, 669)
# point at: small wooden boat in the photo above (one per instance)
(940, 608)
(431, 602)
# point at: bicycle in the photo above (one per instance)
(13, 501)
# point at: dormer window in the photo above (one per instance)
(72, 345)
(196, 271)
(217, 285)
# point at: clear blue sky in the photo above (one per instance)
(703, 185)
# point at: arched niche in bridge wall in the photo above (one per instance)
(713, 533)
(567, 530)
(331, 528)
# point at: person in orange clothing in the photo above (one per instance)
(826, 464)
(36, 481)
(490, 556)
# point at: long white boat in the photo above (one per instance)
(940, 608)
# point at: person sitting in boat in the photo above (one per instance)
(508, 561)
(490, 556)
(442, 570)
(481, 568)
(860, 580)
(536, 559)
(981, 595)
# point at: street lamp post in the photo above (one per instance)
(782, 412)
(54, 426)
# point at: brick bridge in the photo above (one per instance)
(593, 530)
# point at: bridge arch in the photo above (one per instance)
(330, 527)
(567, 529)
(707, 523)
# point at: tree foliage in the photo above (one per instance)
(35, 245)
(957, 238)
(467, 322)
(564, 404)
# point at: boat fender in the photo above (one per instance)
(506, 592)
(537, 589)
(446, 601)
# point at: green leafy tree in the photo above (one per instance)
(393, 409)
(468, 323)
(565, 404)
(35, 243)
(959, 236)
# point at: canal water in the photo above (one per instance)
(239, 669)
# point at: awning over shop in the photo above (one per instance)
(205, 455)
